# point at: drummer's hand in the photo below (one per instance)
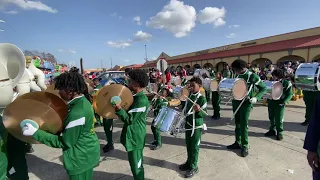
(28, 130)
(196, 108)
(116, 102)
(253, 100)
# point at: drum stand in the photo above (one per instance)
(236, 111)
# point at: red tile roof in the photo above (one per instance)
(263, 48)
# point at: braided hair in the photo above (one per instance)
(72, 82)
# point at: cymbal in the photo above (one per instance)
(51, 89)
(183, 94)
(174, 102)
(46, 109)
(101, 100)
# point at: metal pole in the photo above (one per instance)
(145, 49)
(111, 63)
(101, 64)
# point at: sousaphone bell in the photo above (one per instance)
(44, 108)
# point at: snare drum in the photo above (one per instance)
(306, 77)
(176, 92)
(176, 81)
(274, 90)
(235, 88)
(170, 121)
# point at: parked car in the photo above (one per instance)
(111, 76)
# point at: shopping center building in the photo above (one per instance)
(302, 46)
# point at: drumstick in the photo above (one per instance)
(195, 104)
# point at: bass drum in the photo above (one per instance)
(235, 88)
(274, 90)
(306, 77)
(210, 84)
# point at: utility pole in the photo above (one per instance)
(101, 64)
(145, 50)
(111, 63)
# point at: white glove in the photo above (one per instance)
(253, 100)
(28, 130)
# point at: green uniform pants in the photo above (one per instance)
(216, 100)
(97, 116)
(309, 108)
(108, 127)
(17, 166)
(87, 175)
(136, 163)
(3, 166)
(241, 121)
(156, 134)
(193, 146)
(276, 115)
(207, 95)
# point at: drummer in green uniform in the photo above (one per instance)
(3, 150)
(134, 133)
(242, 116)
(160, 85)
(160, 102)
(309, 98)
(276, 107)
(194, 125)
(216, 99)
(78, 140)
(226, 73)
(97, 87)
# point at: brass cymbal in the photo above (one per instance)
(101, 100)
(46, 109)
(51, 89)
(174, 102)
(183, 94)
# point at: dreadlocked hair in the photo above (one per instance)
(72, 82)
(139, 76)
(74, 69)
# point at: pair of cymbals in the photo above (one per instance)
(101, 100)
(44, 108)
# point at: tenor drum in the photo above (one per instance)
(210, 84)
(235, 88)
(274, 90)
(170, 121)
(306, 76)
(177, 92)
(176, 81)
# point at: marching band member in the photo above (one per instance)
(194, 125)
(309, 98)
(79, 142)
(216, 99)
(207, 92)
(226, 73)
(3, 150)
(134, 133)
(97, 87)
(159, 84)
(108, 130)
(276, 107)
(242, 116)
(160, 102)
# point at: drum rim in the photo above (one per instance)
(246, 85)
(272, 94)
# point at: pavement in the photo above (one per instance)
(269, 159)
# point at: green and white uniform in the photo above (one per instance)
(160, 102)
(79, 142)
(3, 150)
(183, 81)
(276, 108)
(160, 87)
(216, 100)
(226, 73)
(242, 116)
(108, 128)
(95, 90)
(133, 133)
(309, 98)
(194, 125)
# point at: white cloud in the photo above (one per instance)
(60, 50)
(137, 20)
(72, 51)
(212, 15)
(234, 26)
(113, 14)
(142, 36)
(29, 5)
(119, 44)
(231, 35)
(1, 30)
(2, 21)
(11, 12)
(175, 17)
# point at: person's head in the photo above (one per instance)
(126, 71)
(137, 80)
(218, 75)
(70, 85)
(195, 84)
(239, 66)
(278, 74)
(226, 66)
(96, 81)
(166, 92)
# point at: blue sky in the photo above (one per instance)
(99, 30)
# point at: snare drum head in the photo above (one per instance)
(214, 85)
(239, 89)
(183, 94)
(277, 90)
(177, 81)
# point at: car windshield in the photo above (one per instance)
(111, 75)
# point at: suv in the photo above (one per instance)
(108, 77)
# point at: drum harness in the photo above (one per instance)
(250, 88)
(191, 111)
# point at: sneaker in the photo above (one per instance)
(279, 137)
(215, 117)
(108, 148)
(305, 123)
(270, 133)
(30, 150)
(244, 152)
(156, 147)
(235, 145)
(190, 173)
(153, 143)
(184, 167)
